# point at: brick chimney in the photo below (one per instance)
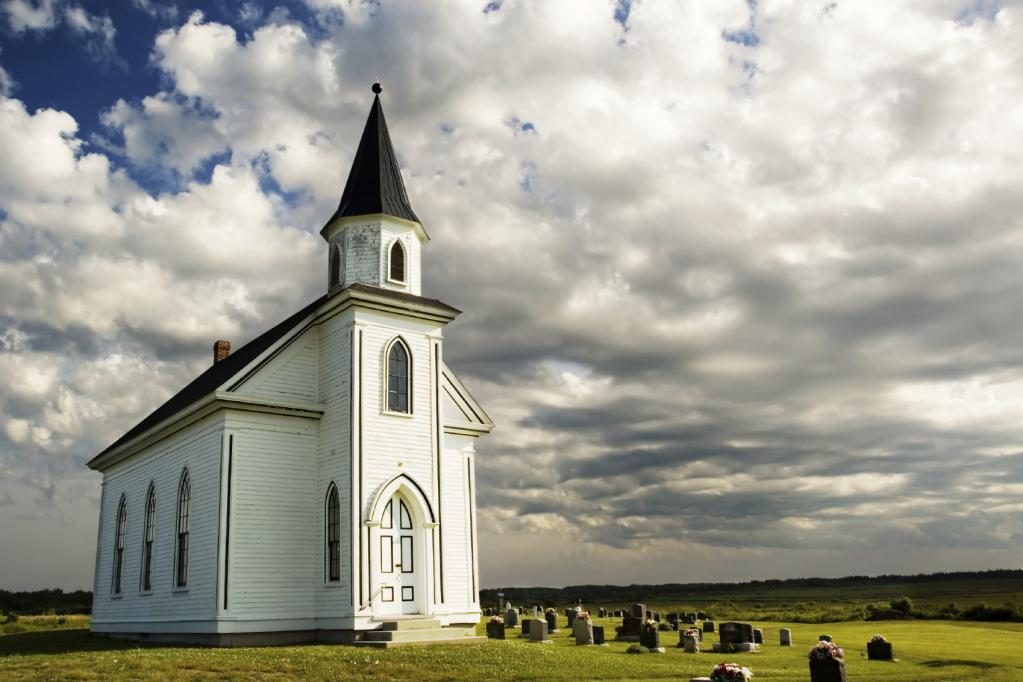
(221, 349)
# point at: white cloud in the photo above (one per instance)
(775, 275)
(31, 15)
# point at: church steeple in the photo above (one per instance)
(374, 182)
(374, 236)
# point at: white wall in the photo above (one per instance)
(197, 447)
(274, 559)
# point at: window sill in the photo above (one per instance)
(332, 584)
(397, 283)
(403, 415)
(145, 593)
(180, 589)
(117, 596)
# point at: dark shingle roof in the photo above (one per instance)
(374, 182)
(217, 374)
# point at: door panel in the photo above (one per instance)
(397, 560)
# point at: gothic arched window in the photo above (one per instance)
(184, 498)
(122, 521)
(333, 535)
(398, 382)
(147, 540)
(396, 271)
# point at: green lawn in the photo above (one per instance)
(927, 650)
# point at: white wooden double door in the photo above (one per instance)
(399, 559)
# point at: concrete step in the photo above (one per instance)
(432, 635)
(388, 645)
(418, 623)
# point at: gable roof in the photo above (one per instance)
(374, 182)
(216, 375)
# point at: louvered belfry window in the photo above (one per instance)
(184, 499)
(397, 271)
(398, 378)
(333, 536)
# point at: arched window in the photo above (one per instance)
(333, 535)
(184, 497)
(335, 265)
(147, 540)
(396, 272)
(122, 521)
(398, 383)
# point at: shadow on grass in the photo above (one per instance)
(955, 662)
(60, 642)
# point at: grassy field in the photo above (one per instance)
(927, 650)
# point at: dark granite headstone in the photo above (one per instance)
(758, 636)
(708, 626)
(879, 651)
(571, 614)
(495, 630)
(827, 670)
(511, 618)
(824, 638)
(598, 634)
(657, 616)
(650, 637)
(735, 633)
(638, 611)
(700, 615)
(552, 621)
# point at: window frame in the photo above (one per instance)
(148, 541)
(120, 531)
(332, 546)
(397, 243)
(388, 349)
(182, 537)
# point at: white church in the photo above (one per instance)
(317, 484)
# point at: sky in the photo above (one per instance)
(741, 279)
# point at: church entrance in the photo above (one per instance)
(400, 560)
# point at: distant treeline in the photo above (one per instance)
(45, 601)
(682, 592)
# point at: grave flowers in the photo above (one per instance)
(827, 662)
(730, 672)
(879, 649)
(689, 639)
(495, 627)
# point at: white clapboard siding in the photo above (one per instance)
(197, 447)
(275, 518)
(334, 464)
(455, 526)
(291, 375)
(392, 439)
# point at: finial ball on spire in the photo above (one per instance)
(377, 88)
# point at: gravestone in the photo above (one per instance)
(672, 618)
(708, 626)
(602, 613)
(638, 611)
(525, 627)
(758, 636)
(737, 637)
(598, 635)
(879, 650)
(824, 638)
(689, 619)
(649, 614)
(657, 616)
(650, 637)
(630, 629)
(571, 614)
(538, 631)
(495, 630)
(785, 637)
(700, 615)
(511, 618)
(582, 629)
(827, 670)
(691, 645)
(522, 610)
(551, 620)
(537, 612)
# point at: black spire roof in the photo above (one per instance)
(374, 183)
